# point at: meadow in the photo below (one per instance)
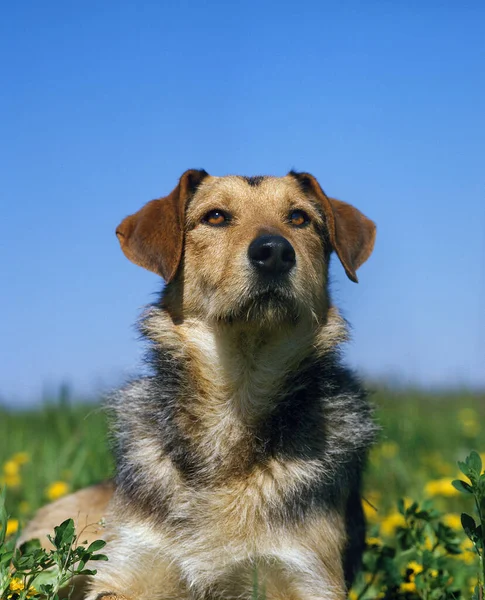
(413, 551)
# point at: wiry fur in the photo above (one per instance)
(245, 447)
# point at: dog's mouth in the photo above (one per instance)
(267, 303)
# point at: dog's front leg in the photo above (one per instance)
(138, 568)
(311, 561)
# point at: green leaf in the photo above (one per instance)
(64, 534)
(96, 545)
(423, 515)
(468, 524)
(6, 558)
(462, 486)
(475, 463)
(87, 572)
(30, 545)
(464, 468)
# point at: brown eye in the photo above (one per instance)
(299, 218)
(216, 218)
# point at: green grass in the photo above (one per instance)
(423, 436)
(64, 442)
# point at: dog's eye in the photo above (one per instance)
(298, 218)
(216, 218)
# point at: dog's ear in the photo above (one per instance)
(351, 233)
(153, 237)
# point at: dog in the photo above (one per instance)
(240, 458)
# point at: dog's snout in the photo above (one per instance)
(272, 254)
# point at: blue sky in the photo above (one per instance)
(105, 104)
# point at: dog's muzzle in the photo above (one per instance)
(272, 255)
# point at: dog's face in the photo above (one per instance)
(240, 249)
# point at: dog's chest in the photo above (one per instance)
(243, 506)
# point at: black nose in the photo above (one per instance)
(272, 254)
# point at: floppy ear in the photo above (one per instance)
(352, 234)
(153, 237)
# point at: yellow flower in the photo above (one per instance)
(428, 543)
(468, 557)
(10, 468)
(391, 523)
(353, 595)
(57, 489)
(370, 512)
(415, 568)
(453, 520)
(21, 458)
(409, 586)
(11, 476)
(440, 487)
(12, 526)
(373, 541)
(32, 591)
(11, 480)
(16, 585)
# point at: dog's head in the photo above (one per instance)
(238, 248)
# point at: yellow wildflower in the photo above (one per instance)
(32, 591)
(391, 523)
(57, 489)
(440, 487)
(370, 512)
(21, 458)
(10, 480)
(415, 568)
(11, 476)
(453, 520)
(429, 543)
(16, 585)
(473, 584)
(468, 557)
(353, 595)
(12, 526)
(10, 468)
(373, 541)
(408, 586)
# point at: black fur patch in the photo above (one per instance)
(254, 181)
(303, 181)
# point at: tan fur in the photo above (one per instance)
(211, 288)
(88, 508)
(235, 361)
